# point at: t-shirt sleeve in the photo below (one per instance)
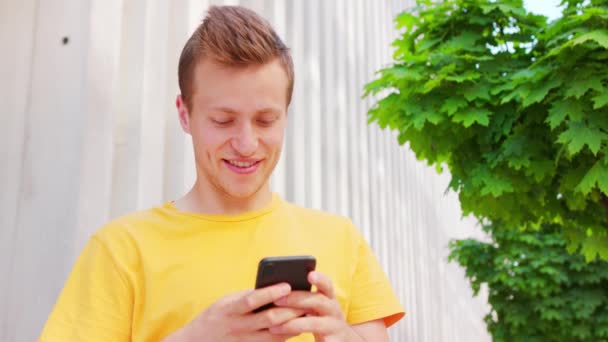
(96, 301)
(372, 296)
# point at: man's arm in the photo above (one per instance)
(96, 301)
(372, 331)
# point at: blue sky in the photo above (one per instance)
(548, 8)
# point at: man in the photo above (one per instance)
(184, 271)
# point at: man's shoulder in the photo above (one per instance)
(125, 226)
(319, 217)
(315, 213)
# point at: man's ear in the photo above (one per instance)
(182, 112)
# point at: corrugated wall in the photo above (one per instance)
(88, 131)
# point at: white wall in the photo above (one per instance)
(88, 132)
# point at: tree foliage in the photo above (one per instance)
(514, 106)
(537, 291)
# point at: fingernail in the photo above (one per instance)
(285, 289)
(313, 277)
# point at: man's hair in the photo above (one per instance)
(232, 36)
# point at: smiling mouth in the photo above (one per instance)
(242, 167)
(240, 164)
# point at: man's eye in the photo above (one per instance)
(221, 122)
(266, 122)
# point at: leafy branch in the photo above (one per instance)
(514, 106)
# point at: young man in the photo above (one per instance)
(184, 271)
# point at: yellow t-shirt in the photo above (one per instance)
(149, 273)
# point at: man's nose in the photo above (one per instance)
(245, 141)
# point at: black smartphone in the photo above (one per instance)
(285, 269)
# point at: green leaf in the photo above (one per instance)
(477, 91)
(579, 87)
(560, 109)
(469, 116)
(539, 93)
(496, 188)
(581, 331)
(598, 36)
(487, 8)
(595, 246)
(489, 183)
(469, 75)
(504, 86)
(600, 100)
(536, 73)
(465, 41)
(579, 135)
(541, 169)
(432, 84)
(426, 44)
(421, 117)
(403, 72)
(597, 175)
(406, 20)
(452, 104)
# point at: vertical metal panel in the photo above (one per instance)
(48, 189)
(100, 87)
(341, 114)
(352, 95)
(154, 98)
(18, 24)
(124, 149)
(328, 106)
(312, 84)
(295, 156)
(127, 117)
(177, 33)
(364, 71)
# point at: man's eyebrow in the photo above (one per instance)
(232, 111)
(268, 110)
(224, 109)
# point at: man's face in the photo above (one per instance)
(237, 123)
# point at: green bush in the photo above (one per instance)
(515, 107)
(537, 291)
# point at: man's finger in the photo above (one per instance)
(258, 298)
(231, 300)
(267, 336)
(311, 302)
(309, 324)
(271, 318)
(323, 283)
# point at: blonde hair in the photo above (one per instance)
(232, 36)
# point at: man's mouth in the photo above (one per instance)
(241, 163)
(242, 167)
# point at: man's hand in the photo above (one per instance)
(324, 316)
(231, 318)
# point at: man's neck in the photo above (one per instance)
(202, 200)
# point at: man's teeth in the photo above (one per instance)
(241, 164)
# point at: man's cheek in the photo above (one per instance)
(275, 141)
(212, 141)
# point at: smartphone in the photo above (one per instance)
(285, 269)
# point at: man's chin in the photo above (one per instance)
(244, 193)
